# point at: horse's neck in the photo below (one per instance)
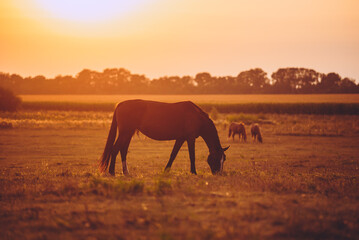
(210, 136)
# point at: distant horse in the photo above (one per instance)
(182, 121)
(237, 128)
(256, 133)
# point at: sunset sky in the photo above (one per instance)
(178, 37)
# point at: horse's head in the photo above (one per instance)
(216, 159)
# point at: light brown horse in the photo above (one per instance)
(237, 128)
(182, 121)
(256, 133)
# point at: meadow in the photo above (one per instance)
(301, 183)
(329, 104)
(217, 98)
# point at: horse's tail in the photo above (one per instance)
(230, 131)
(253, 132)
(259, 137)
(244, 134)
(105, 158)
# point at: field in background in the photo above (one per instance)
(280, 104)
(280, 124)
(218, 99)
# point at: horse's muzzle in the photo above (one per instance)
(217, 172)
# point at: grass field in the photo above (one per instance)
(301, 183)
(218, 99)
(328, 104)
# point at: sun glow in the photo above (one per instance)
(88, 11)
(178, 37)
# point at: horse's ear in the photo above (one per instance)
(224, 149)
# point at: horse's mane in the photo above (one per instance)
(210, 126)
(199, 109)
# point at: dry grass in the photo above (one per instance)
(278, 108)
(280, 124)
(301, 183)
(218, 99)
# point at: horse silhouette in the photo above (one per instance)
(182, 121)
(237, 128)
(256, 133)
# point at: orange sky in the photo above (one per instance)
(178, 37)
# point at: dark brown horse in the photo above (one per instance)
(256, 133)
(182, 121)
(237, 128)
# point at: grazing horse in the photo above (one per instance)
(237, 128)
(182, 121)
(256, 133)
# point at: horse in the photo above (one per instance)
(256, 133)
(181, 121)
(237, 128)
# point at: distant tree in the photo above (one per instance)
(295, 80)
(39, 78)
(187, 85)
(8, 100)
(204, 82)
(166, 85)
(11, 82)
(84, 75)
(348, 86)
(5, 81)
(110, 80)
(88, 81)
(138, 84)
(4, 76)
(252, 81)
(159, 85)
(229, 85)
(121, 80)
(307, 80)
(330, 83)
(223, 85)
(282, 81)
(39, 84)
(65, 84)
(15, 78)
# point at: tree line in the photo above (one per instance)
(122, 81)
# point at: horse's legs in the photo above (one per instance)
(126, 139)
(191, 150)
(229, 133)
(121, 144)
(176, 148)
(115, 150)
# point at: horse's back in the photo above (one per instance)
(237, 126)
(161, 121)
(255, 129)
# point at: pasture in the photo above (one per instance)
(301, 183)
(328, 104)
(217, 98)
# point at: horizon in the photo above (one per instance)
(182, 38)
(164, 76)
